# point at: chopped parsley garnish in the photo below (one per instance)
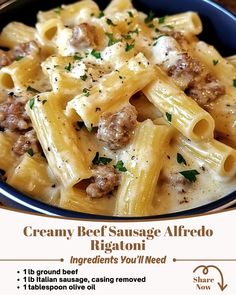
(95, 53)
(31, 103)
(215, 62)
(101, 14)
(130, 14)
(31, 89)
(86, 92)
(58, 10)
(110, 23)
(161, 19)
(180, 159)
(129, 47)
(19, 58)
(120, 166)
(234, 82)
(68, 67)
(30, 152)
(190, 175)
(169, 117)
(136, 31)
(100, 160)
(78, 57)
(127, 37)
(84, 77)
(112, 40)
(151, 26)
(150, 17)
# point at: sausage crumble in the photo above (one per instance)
(116, 129)
(206, 90)
(20, 50)
(83, 36)
(106, 180)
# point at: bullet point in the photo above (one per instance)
(18, 271)
(18, 280)
(18, 287)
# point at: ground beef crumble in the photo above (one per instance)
(19, 51)
(205, 90)
(106, 180)
(115, 129)
(83, 36)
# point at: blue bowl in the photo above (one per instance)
(219, 30)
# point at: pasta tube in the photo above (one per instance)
(19, 74)
(219, 157)
(143, 161)
(58, 139)
(71, 14)
(180, 110)
(7, 157)
(33, 177)
(15, 33)
(187, 22)
(113, 92)
(118, 6)
(76, 199)
(222, 109)
(232, 59)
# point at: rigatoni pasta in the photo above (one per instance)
(116, 112)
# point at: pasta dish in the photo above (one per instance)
(116, 112)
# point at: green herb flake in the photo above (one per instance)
(120, 166)
(150, 17)
(86, 92)
(180, 159)
(95, 53)
(215, 62)
(30, 152)
(169, 117)
(31, 89)
(101, 14)
(130, 14)
(31, 103)
(58, 9)
(100, 160)
(151, 26)
(234, 82)
(129, 47)
(127, 37)
(84, 77)
(78, 57)
(112, 40)
(136, 31)
(161, 19)
(68, 67)
(19, 58)
(190, 175)
(110, 23)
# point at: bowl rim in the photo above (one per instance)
(30, 204)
